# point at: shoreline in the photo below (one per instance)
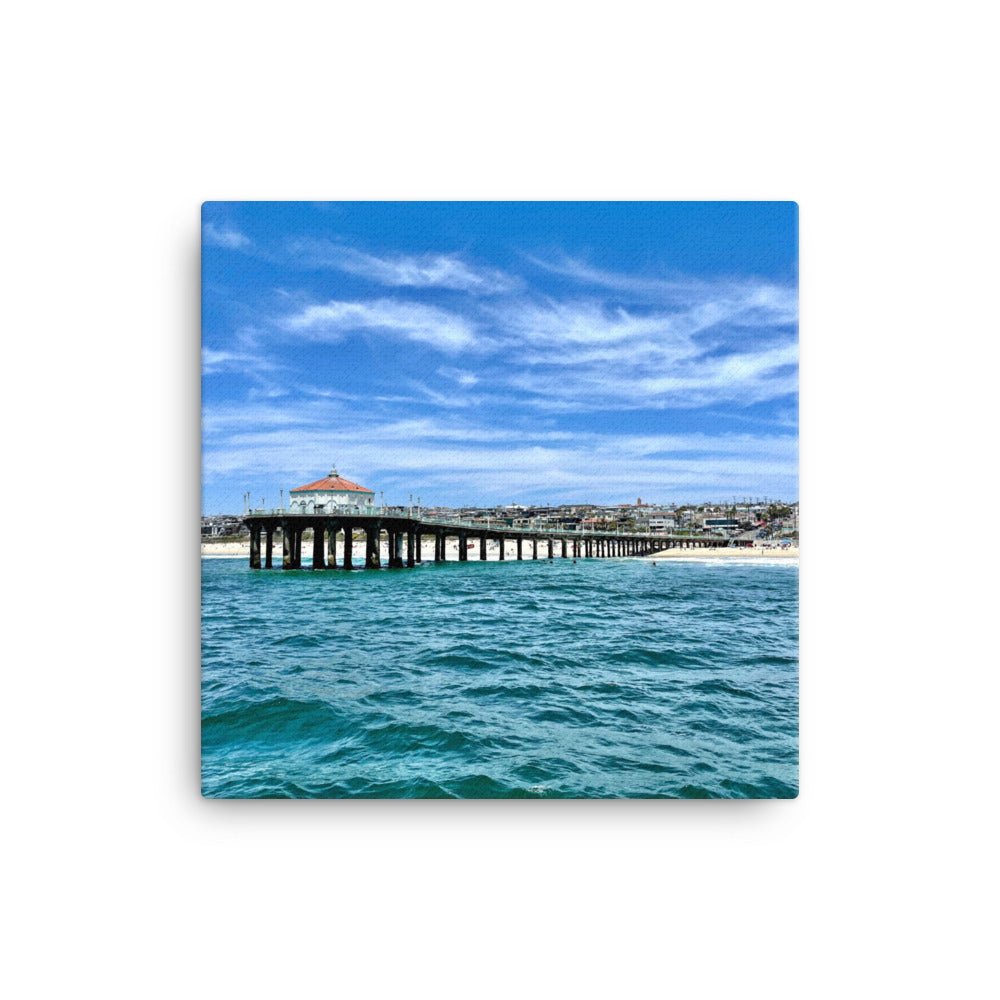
(792, 552)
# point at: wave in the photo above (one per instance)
(272, 719)
(603, 679)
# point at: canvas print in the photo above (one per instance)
(500, 500)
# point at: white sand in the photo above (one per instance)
(757, 552)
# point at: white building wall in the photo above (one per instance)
(306, 503)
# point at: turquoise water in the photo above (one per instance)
(604, 678)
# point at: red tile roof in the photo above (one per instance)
(339, 485)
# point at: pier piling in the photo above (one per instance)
(397, 526)
(373, 559)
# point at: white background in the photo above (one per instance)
(880, 879)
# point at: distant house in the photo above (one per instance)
(719, 524)
(327, 495)
(662, 522)
(222, 524)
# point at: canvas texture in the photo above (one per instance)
(500, 500)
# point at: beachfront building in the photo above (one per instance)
(327, 495)
(719, 524)
(661, 523)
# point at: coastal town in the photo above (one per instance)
(759, 522)
(771, 519)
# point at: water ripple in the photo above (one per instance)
(487, 680)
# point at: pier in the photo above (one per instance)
(405, 533)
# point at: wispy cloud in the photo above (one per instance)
(565, 331)
(463, 378)
(213, 362)
(438, 456)
(404, 271)
(578, 270)
(744, 301)
(414, 321)
(748, 377)
(214, 236)
(576, 356)
(581, 356)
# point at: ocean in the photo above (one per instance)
(597, 679)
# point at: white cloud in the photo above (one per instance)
(568, 357)
(604, 388)
(742, 301)
(213, 361)
(575, 335)
(582, 356)
(424, 271)
(676, 345)
(745, 377)
(214, 236)
(488, 464)
(569, 267)
(408, 320)
(222, 419)
(463, 378)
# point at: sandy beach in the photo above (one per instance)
(757, 552)
(232, 550)
(216, 550)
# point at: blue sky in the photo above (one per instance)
(495, 353)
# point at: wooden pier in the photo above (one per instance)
(405, 533)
